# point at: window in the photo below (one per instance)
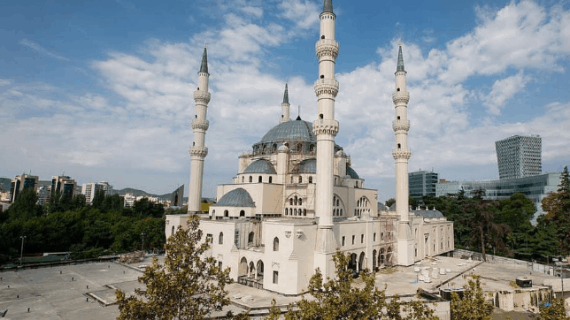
(275, 277)
(382, 236)
(172, 233)
(221, 238)
(242, 179)
(374, 237)
(250, 238)
(353, 239)
(276, 244)
(343, 241)
(291, 201)
(236, 237)
(300, 179)
(242, 213)
(295, 200)
(226, 213)
(361, 238)
(220, 265)
(209, 238)
(399, 146)
(398, 117)
(270, 179)
(250, 179)
(398, 89)
(260, 179)
(291, 179)
(322, 37)
(310, 179)
(286, 211)
(300, 201)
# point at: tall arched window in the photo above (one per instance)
(250, 179)
(226, 213)
(300, 201)
(221, 238)
(310, 179)
(260, 179)
(362, 206)
(276, 244)
(337, 206)
(172, 233)
(250, 238)
(270, 179)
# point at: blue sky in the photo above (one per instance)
(103, 90)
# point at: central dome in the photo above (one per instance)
(298, 130)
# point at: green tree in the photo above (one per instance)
(187, 286)
(25, 206)
(554, 311)
(339, 299)
(557, 208)
(473, 305)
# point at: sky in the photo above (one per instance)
(103, 90)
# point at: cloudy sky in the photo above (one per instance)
(102, 90)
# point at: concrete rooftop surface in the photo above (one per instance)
(87, 291)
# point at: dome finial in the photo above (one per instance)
(204, 66)
(400, 59)
(327, 6)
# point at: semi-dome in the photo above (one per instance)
(260, 166)
(297, 130)
(352, 173)
(236, 198)
(308, 166)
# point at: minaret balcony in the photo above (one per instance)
(327, 47)
(201, 97)
(200, 124)
(401, 125)
(400, 97)
(325, 126)
(199, 152)
(401, 154)
(326, 86)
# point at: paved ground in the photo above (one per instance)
(62, 292)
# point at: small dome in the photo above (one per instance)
(260, 166)
(308, 166)
(236, 198)
(352, 173)
(283, 148)
(428, 214)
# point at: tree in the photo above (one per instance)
(473, 305)
(187, 286)
(557, 206)
(554, 311)
(338, 299)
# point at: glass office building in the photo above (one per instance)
(519, 156)
(422, 183)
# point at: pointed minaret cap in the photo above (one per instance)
(400, 60)
(204, 66)
(286, 95)
(327, 6)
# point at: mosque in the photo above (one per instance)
(296, 199)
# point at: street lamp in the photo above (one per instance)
(22, 250)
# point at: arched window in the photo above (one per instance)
(250, 238)
(172, 233)
(300, 201)
(276, 244)
(221, 238)
(300, 179)
(260, 179)
(226, 213)
(286, 211)
(310, 179)
(242, 213)
(270, 179)
(399, 146)
(362, 206)
(291, 201)
(250, 179)
(295, 200)
(305, 212)
(299, 147)
(337, 206)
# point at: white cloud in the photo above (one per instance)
(305, 14)
(503, 90)
(5, 82)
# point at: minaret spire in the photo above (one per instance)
(400, 66)
(325, 128)
(285, 106)
(402, 154)
(328, 6)
(204, 65)
(198, 150)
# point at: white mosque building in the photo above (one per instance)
(296, 200)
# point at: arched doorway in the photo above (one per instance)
(242, 270)
(361, 262)
(259, 276)
(352, 263)
(251, 273)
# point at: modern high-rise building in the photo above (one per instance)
(422, 183)
(63, 185)
(90, 190)
(519, 156)
(20, 183)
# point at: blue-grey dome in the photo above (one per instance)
(260, 166)
(428, 214)
(295, 130)
(236, 198)
(308, 166)
(352, 173)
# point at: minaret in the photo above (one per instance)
(402, 154)
(198, 151)
(325, 128)
(285, 105)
